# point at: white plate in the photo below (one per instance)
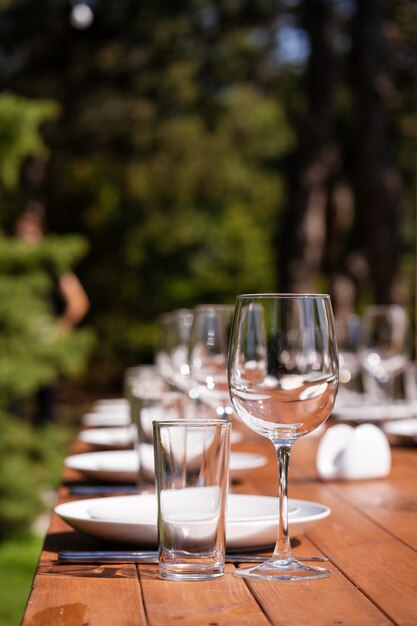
(236, 436)
(122, 465)
(123, 437)
(251, 520)
(404, 429)
(376, 412)
(107, 419)
(111, 404)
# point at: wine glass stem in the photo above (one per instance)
(283, 546)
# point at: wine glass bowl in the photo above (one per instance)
(208, 349)
(349, 333)
(385, 349)
(182, 324)
(283, 379)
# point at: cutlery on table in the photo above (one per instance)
(97, 556)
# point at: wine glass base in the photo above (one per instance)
(279, 569)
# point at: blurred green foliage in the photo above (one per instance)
(31, 463)
(176, 143)
(20, 135)
(169, 158)
(33, 351)
(18, 559)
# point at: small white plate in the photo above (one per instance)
(251, 520)
(376, 412)
(111, 404)
(403, 429)
(123, 437)
(122, 465)
(106, 419)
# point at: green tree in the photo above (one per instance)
(32, 350)
(167, 154)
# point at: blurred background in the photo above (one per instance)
(179, 152)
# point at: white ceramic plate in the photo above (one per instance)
(403, 429)
(123, 437)
(111, 404)
(376, 412)
(122, 465)
(106, 419)
(251, 520)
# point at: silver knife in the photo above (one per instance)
(97, 556)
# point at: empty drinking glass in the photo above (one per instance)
(208, 355)
(349, 334)
(191, 467)
(385, 350)
(283, 378)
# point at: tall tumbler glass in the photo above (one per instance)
(191, 469)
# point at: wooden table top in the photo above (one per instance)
(370, 538)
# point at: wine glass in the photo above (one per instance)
(385, 350)
(348, 334)
(283, 379)
(182, 323)
(165, 342)
(208, 347)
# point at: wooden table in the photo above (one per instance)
(370, 538)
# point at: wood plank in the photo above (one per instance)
(72, 595)
(323, 603)
(392, 506)
(224, 601)
(382, 567)
(374, 580)
(390, 502)
(85, 595)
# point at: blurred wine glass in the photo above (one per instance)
(165, 343)
(348, 333)
(182, 320)
(208, 348)
(385, 351)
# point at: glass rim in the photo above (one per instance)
(181, 423)
(285, 296)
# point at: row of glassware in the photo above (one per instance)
(192, 353)
(375, 353)
(283, 378)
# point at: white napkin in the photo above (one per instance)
(353, 453)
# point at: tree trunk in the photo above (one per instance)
(378, 185)
(303, 234)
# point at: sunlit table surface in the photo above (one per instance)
(370, 538)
